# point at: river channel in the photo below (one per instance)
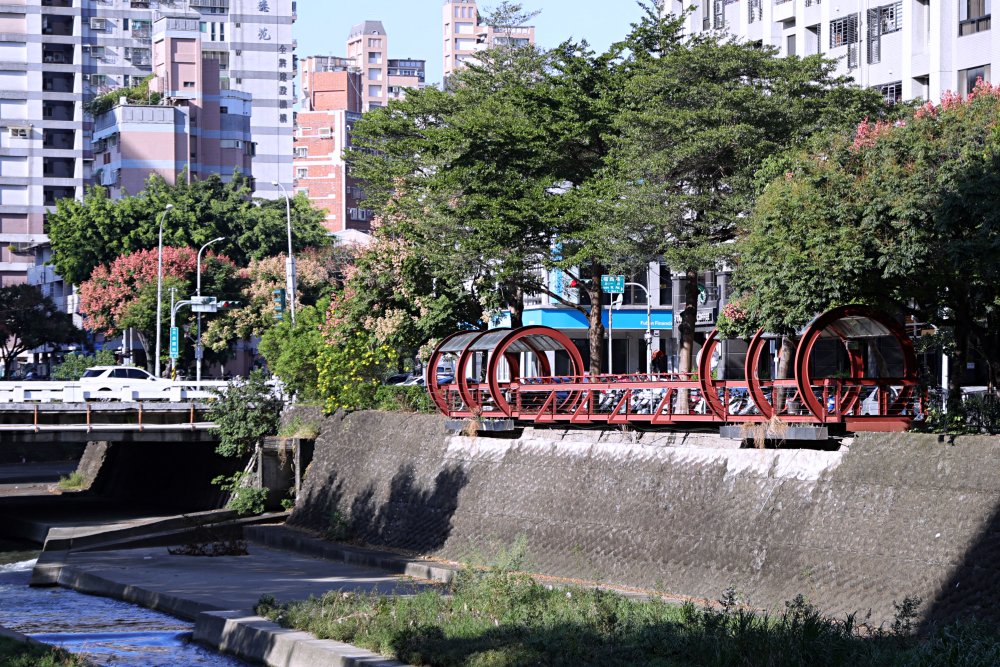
(108, 632)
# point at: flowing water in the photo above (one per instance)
(106, 631)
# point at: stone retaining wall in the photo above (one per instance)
(887, 516)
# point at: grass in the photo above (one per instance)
(500, 618)
(296, 427)
(16, 654)
(72, 482)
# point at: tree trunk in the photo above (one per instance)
(786, 359)
(689, 318)
(595, 332)
(515, 305)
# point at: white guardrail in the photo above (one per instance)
(33, 391)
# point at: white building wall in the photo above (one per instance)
(927, 56)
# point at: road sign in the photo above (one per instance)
(175, 342)
(613, 284)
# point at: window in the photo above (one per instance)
(881, 21)
(755, 10)
(19, 132)
(973, 16)
(374, 75)
(374, 58)
(301, 151)
(844, 31)
(718, 15)
(375, 43)
(374, 91)
(790, 45)
(892, 92)
(967, 78)
(302, 172)
(189, 84)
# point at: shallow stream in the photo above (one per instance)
(106, 631)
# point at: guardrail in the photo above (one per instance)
(77, 392)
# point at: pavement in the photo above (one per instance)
(219, 593)
(27, 479)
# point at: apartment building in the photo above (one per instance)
(465, 34)
(332, 100)
(57, 54)
(198, 129)
(383, 79)
(904, 48)
(335, 92)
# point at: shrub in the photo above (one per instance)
(73, 365)
(246, 412)
(396, 398)
(350, 373)
(244, 499)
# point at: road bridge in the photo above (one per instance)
(126, 421)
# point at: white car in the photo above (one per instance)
(113, 377)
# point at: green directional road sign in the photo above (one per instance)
(613, 284)
(175, 342)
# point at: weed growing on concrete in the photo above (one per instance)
(338, 528)
(296, 427)
(244, 498)
(72, 482)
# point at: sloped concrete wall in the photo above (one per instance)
(886, 517)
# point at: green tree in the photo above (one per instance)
(92, 232)
(899, 215)
(293, 352)
(28, 320)
(699, 117)
(73, 365)
(244, 414)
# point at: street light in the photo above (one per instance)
(159, 288)
(197, 342)
(290, 262)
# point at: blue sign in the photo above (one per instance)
(572, 319)
(613, 284)
(175, 342)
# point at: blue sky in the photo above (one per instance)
(414, 26)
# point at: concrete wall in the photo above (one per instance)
(886, 517)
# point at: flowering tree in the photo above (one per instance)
(122, 294)
(903, 215)
(318, 272)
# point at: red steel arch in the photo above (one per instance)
(533, 339)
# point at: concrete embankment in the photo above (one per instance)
(889, 516)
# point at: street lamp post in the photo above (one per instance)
(159, 289)
(648, 336)
(197, 343)
(290, 276)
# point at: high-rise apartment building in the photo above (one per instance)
(335, 92)
(382, 78)
(465, 34)
(904, 48)
(197, 129)
(57, 54)
(332, 99)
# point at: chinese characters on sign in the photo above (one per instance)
(263, 6)
(264, 35)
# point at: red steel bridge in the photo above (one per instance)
(854, 367)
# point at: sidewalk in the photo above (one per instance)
(219, 594)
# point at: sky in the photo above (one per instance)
(414, 26)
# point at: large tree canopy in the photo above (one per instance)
(29, 320)
(904, 215)
(86, 234)
(699, 118)
(566, 160)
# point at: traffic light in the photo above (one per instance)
(279, 304)
(228, 305)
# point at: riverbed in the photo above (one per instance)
(106, 631)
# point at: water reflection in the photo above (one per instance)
(107, 631)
